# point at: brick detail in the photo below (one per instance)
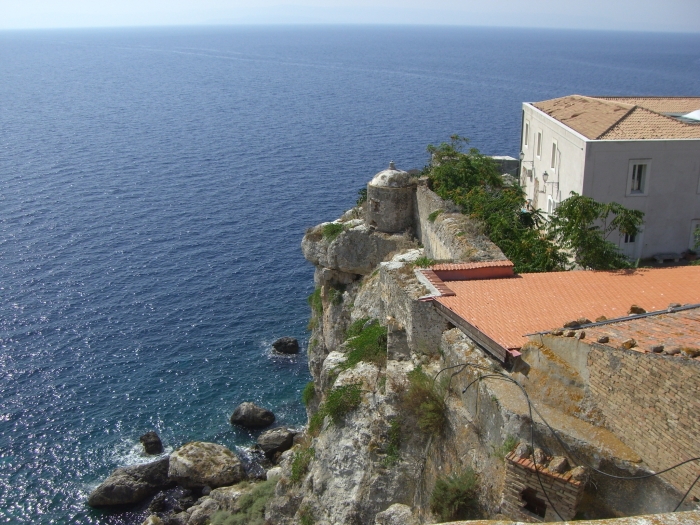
(652, 403)
(564, 492)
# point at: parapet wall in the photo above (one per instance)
(652, 403)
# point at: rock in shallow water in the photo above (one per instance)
(251, 415)
(275, 440)
(132, 484)
(198, 463)
(286, 345)
(151, 443)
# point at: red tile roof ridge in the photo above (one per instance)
(470, 265)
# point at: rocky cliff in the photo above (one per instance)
(372, 454)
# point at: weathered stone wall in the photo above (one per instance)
(450, 235)
(652, 403)
(563, 492)
(390, 210)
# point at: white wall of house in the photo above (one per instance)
(567, 175)
(602, 169)
(670, 197)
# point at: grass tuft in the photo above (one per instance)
(300, 463)
(315, 302)
(308, 393)
(338, 403)
(424, 399)
(368, 345)
(392, 450)
(434, 215)
(252, 506)
(455, 496)
(424, 262)
(508, 445)
(332, 230)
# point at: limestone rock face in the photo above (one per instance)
(251, 415)
(357, 250)
(131, 484)
(198, 463)
(397, 514)
(275, 440)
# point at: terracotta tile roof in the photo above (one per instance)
(643, 124)
(438, 283)
(591, 117)
(507, 309)
(660, 104)
(624, 118)
(670, 330)
(471, 265)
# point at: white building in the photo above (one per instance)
(642, 152)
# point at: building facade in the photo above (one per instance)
(642, 152)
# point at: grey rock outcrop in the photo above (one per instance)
(358, 250)
(132, 484)
(250, 415)
(397, 514)
(151, 443)
(198, 463)
(276, 440)
(286, 345)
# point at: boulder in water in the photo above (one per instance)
(198, 463)
(151, 443)
(132, 484)
(286, 345)
(276, 440)
(250, 415)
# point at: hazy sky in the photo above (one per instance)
(639, 15)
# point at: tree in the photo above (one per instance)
(576, 234)
(582, 226)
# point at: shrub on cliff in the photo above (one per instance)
(332, 230)
(424, 399)
(338, 403)
(366, 343)
(300, 463)
(455, 496)
(308, 393)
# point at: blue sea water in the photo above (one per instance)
(154, 188)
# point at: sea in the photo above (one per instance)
(155, 185)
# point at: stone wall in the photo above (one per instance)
(652, 403)
(449, 235)
(523, 496)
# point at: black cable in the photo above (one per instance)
(499, 375)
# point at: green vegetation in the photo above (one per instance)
(308, 393)
(367, 345)
(424, 399)
(424, 262)
(434, 215)
(508, 445)
(361, 196)
(355, 328)
(335, 294)
(582, 226)
(315, 302)
(252, 506)
(338, 403)
(472, 181)
(306, 517)
(332, 230)
(300, 463)
(455, 496)
(394, 443)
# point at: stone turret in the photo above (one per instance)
(390, 201)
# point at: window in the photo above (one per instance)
(526, 134)
(539, 144)
(629, 239)
(551, 205)
(553, 163)
(638, 178)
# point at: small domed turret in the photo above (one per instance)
(390, 200)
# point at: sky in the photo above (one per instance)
(627, 15)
